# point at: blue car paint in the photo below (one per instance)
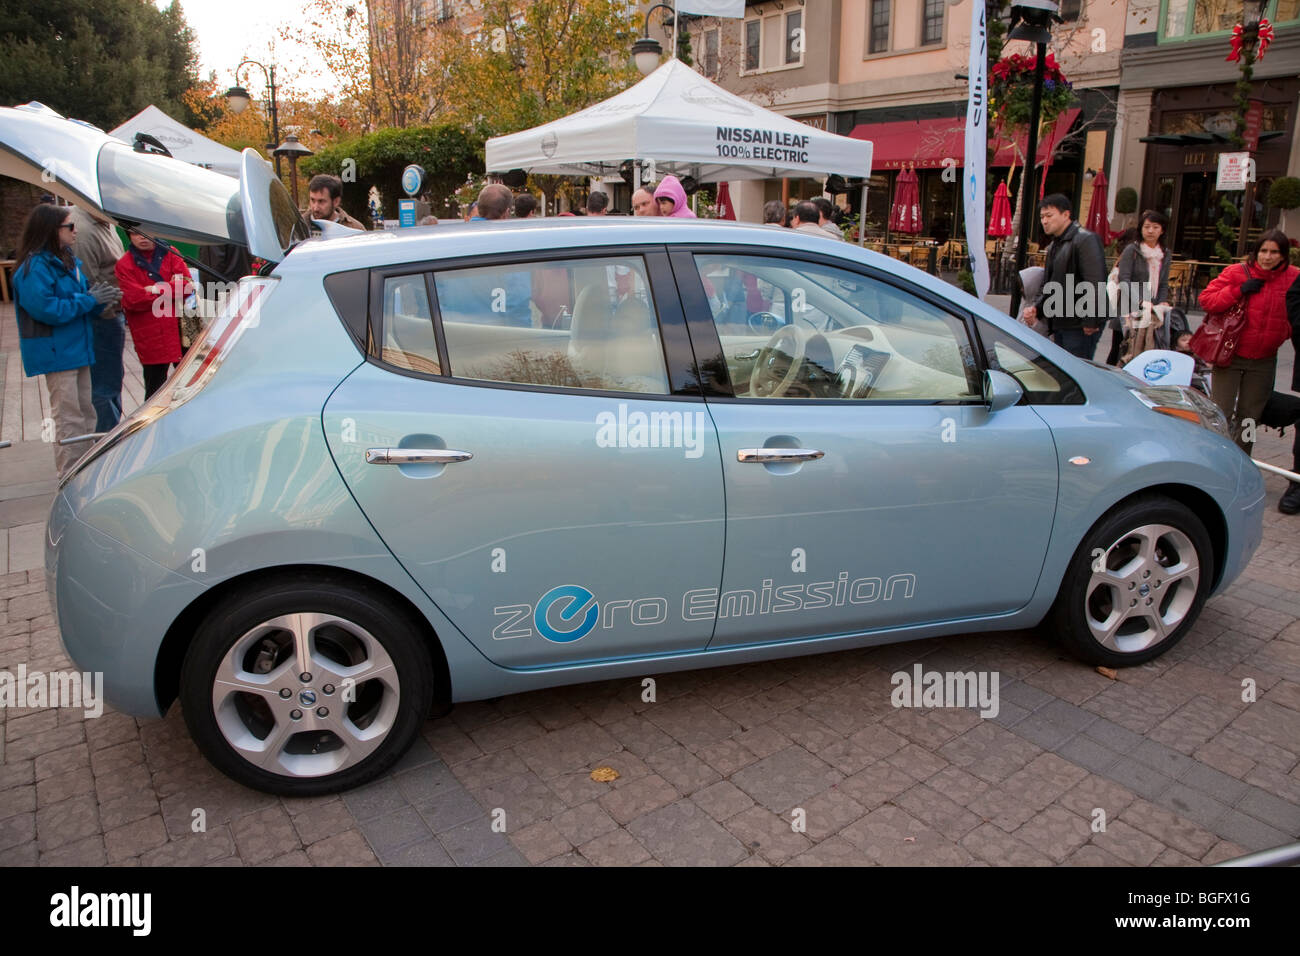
(245, 472)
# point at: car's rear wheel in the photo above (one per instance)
(1136, 584)
(299, 687)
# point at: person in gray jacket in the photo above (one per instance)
(98, 247)
(1144, 278)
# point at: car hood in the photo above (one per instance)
(166, 197)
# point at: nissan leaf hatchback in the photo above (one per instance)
(405, 470)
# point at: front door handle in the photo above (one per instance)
(415, 456)
(767, 456)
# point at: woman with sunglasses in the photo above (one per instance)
(55, 306)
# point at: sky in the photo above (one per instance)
(232, 30)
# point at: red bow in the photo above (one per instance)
(1263, 34)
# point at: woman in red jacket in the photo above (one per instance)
(155, 283)
(1242, 389)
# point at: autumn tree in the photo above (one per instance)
(529, 64)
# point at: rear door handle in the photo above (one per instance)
(416, 456)
(766, 456)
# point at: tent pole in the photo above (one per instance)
(862, 218)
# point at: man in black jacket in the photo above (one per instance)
(1073, 300)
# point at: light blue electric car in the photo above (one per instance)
(406, 470)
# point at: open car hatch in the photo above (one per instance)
(165, 196)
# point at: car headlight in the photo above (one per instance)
(1181, 401)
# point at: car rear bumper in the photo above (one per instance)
(113, 607)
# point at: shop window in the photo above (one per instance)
(1193, 18)
(710, 58)
(1071, 10)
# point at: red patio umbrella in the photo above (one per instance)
(1097, 219)
(1000, 217)
(725, 209)
(906, 213)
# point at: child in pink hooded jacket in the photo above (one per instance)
(672, 199)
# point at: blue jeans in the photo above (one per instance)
(106, 373)
(1077, 343)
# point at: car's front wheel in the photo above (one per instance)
(1136, 584)
(302, 687)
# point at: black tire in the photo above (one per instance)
(1088, 600)
(355, 629)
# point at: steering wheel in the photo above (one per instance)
(769, 379)
(764, 322)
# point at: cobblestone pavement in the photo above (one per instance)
(716, 770)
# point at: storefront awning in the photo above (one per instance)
(1201, 139)
(925, 144)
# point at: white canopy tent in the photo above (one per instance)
(687, 126)
(180, 140)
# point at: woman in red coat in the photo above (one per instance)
(1242, 389)
(155, 283)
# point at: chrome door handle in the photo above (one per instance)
(415, 456)
(765, 456)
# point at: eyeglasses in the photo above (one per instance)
(69, 225)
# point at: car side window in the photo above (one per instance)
(792, 329)
(574, 323)
(409, 341)
(1043, 382)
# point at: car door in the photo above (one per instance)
(868, 485)
(539, 462)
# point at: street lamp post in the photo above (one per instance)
(1252, 14)
(1031, 19)
(237, 99)
(647, 50)
(295, 151)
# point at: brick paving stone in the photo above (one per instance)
(1277, 812)
(540, 842)
(506, 733)
(994, 845)
(1285, 786)
(56, 762)
(1055, 832)
(681, 834)
(1092, 855)
(726, 756)
(1139, 777)
(1260, 751)
(767, 834)
(1223, 787)
(135, 838)
(558, 752)
(44, 742)
(876, 784)
(1250, 832)
(66, 822)
(958, 785)
(1223, 850)
(293, 858)
(878, 742)
(639, 797)
(990, 752)
(195, 849)
(835, 851)
(582, 824)
(616, 848)
(691, 722)
(264, 834)
(127, 808)
(343, 849)
(112, 728)
(1093, 793)
(87, 852)
(936, 810)
(449, 742)
(524, 798)
(61, 786)
(1128, 843)
(917, 762)
(568, 859)
(683, 769)
(722, 800)
(786, 779)
(1272, 724)
(426, 853)
(892, 837)
(427, 783)
(807, 731)
(1221, 757)
(828, 813)
(1170, 829)
(395, 831)
(762, 741)
(323, 821)
(31, 723)
(919, 728)
(116, 757)
(17, 800)
(220, 802)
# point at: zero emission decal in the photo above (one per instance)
(570, 612)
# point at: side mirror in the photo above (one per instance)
(1001, 390)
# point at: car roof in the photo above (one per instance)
(456, 239)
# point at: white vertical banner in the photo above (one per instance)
(973, 181)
